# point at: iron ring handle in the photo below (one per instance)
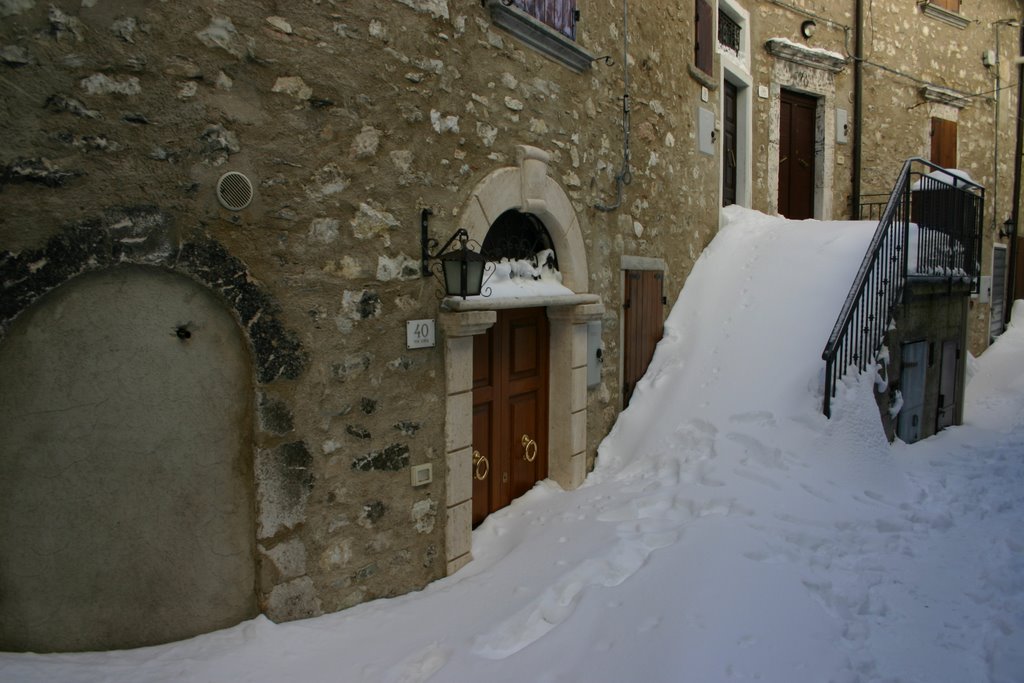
(479, 460)
(528, 444)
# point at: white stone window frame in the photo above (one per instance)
(736, 70)
(526, 187)
(538, 35)
(735, 61)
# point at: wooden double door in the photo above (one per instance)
(510, 409)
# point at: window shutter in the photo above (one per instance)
(703, 52)
(943, 143)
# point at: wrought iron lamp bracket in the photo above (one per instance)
(432, 262)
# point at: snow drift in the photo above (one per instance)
(729, 532)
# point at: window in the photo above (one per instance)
(548, 26)
(518, 236)
(729, 31)
(944, 10)
(703, 41)
(943, 135)
(558, 14)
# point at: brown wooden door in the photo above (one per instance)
(729, 128)
(643, 325)
(796, 155)
(510, 409)
(943, 143)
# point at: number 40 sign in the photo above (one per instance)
(419, 334)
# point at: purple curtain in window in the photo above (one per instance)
(558, 14)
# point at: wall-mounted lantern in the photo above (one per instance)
(462, 269)
(1008, 229)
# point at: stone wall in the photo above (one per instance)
(770, 22)
(348, 117)
(933, 314)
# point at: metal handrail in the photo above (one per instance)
(864, 319)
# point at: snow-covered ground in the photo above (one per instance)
(728, 533)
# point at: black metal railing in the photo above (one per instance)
(872, 206)
(930, 228)
(948, 212)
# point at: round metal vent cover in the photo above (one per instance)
(234, 191)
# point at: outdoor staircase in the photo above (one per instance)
(929, 229)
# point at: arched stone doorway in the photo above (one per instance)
(126, 485)
(528, 189)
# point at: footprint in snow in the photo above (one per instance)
(558, 602)
(757, 478)
(810, 490)
(419, 666)
(758, 417)
(758, 452)
(649, 624)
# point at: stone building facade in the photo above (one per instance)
(132, 128)
(924, 65)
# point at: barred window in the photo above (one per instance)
(728, 32)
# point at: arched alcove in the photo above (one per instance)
(147, 236)
(518, 236)
(126, 485)
(527, 188)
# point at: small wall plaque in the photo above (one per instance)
(419, 334)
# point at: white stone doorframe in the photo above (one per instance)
(736, 70)
(525, 187)
(804, 70)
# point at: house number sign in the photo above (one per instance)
(419, 334)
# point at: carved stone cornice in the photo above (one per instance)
(934, 93)
(942, 14)
(805, 56)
